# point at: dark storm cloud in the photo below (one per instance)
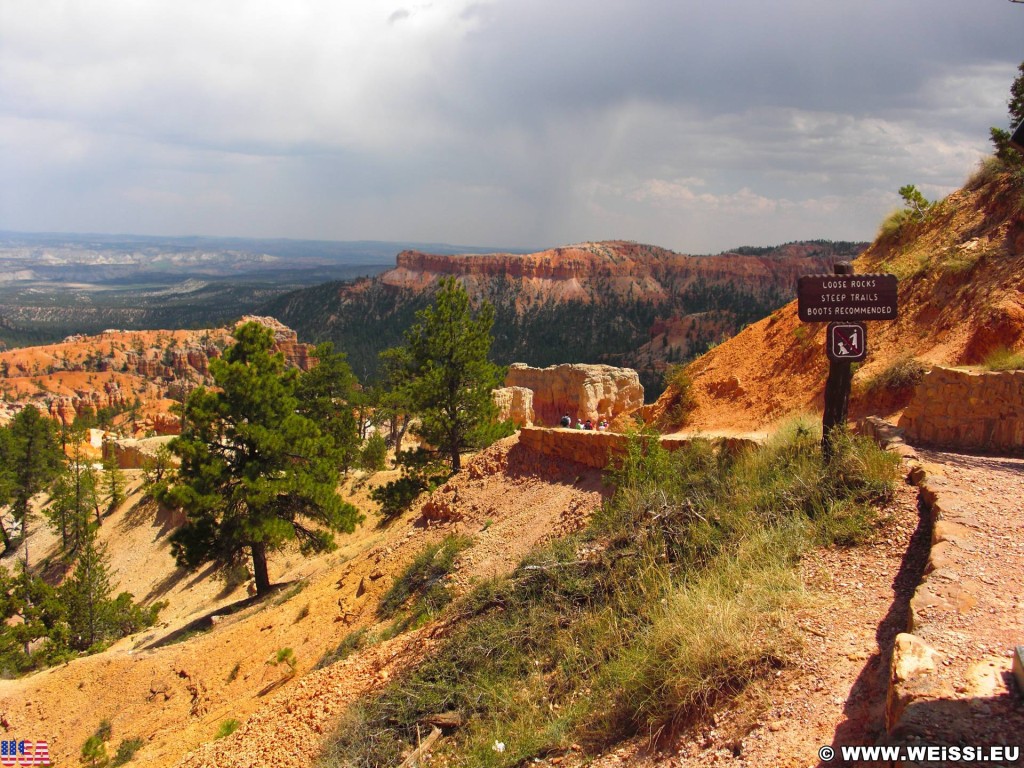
(691, 125)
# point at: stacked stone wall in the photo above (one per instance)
(595, 448)
(970, 410)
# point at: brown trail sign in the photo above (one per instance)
(843, 298)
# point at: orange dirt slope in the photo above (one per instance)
(961, 296)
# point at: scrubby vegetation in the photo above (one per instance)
(678, 383)
(679, 593)
(1003, 359)
(899, 377)
(421, 592)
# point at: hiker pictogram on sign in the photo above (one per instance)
(846, 341)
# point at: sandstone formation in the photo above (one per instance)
(515, 403)
(286, 341)
(594, 270)
(134, 454)
(583, 391)
(967, 410)
(144, 372)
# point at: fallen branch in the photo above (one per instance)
(413, 760)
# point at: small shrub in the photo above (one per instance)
(349, 644)
(678, 382)
(988, 170)
(892, 224)
(226, 728)
(94, 753)
(233, 674)
(804, 336)
(421, 471)
(1003, 359)
(961, 262)
(904, 373)
(126, 751)
(374, 454)
(285, 656)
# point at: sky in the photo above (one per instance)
(695, 126)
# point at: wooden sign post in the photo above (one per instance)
(843, 299)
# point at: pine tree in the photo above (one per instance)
(86, 595)
(74, 498)
(255, 473)
(1015, 105)
(114, 482)
(326, 393)
(452, 379)
(34, 458)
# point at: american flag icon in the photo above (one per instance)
(19, 753)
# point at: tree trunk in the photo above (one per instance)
(403, 421)
(456, 457)
(259, 568)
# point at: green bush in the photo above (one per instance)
(226, 728)
(374, 455)
(902, 374)
(422, 471)
(126, 751)
(349, 644)
(680, 592)
(677, 381)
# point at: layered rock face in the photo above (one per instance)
(592, 271)
(583, 391)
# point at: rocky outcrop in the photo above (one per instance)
(515, 403)
(134, 454)
(583, 391)
(286, 341)
(65, 408)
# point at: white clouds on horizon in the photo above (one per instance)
(495, 123)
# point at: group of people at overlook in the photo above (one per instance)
(567, 422)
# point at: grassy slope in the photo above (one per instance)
(677, 595)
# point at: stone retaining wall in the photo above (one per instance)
(595, 448)
(968, 410)
(920, 685)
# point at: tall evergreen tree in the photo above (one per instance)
(1015, 106)
(114, 482)
(35, 459)
(452, 378)
(255, 473)
(326, 395)
(74, 497)
(86, 595)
